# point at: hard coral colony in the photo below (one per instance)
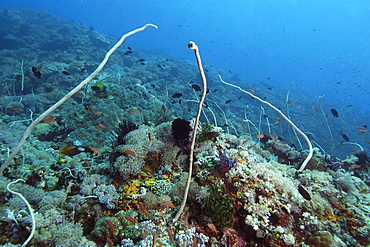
(112, 166)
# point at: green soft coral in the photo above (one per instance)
(218, 207)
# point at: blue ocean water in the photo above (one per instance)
(322, 46)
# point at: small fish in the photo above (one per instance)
(273, 137)
(298, 107)
(176, 95)
(170, 235)
(65, 72)
(89, 108)
(169, 204)
(243, 127)
(98, 141)
(334, 112)
(81, 95)
(82, 69)
(49, 90)
(132, 220)
(81, 135)
(196, 87)
(128, 52)
(36, 72)
(130, 152)
(98, 113)
(315, 110)
(362, 128)
(143, 209)
(94, 149)
(71, 150)
(360, 134)
(345, 137)
(164, 109)
(350, 106)
(48, 119)
(140, 60)
(227, 101)
(134, 111)
(252, 91)
(212, 227)
(259, 136)
(212, 134)
(304, 193)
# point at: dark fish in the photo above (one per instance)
(334, 112)
(36, 72)
(129, 48)
(345, 137)
(82, 69)
(177, 95)
(142, 63)
(227, 101)
(212, 134)
(268, 78)
(128, 52)
(206, 70)
(269, 88)
(65, 72)
(240, 97)
(180, 102)
(49, 90)
(141, 60)
(304, 193)
(196, 87)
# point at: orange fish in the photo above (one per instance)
(259, 136)
(48, 119)
(355, 151)
(164, 109)
(98, 112)
(143, 209)
(298, 107)
(315, 110)
(97, 141)
(81, 95)
(360, 134)
(212, 227)
(362, 128)
(102, 126)
(170, 235)
(280, 144)
(98, 127)
(130, 152)
(170, 204)
(272, 137)
(252, 91)
(81, 135)
(132, 220)
(94, 149)
(89, 108)
(243, 127)
(134, 111)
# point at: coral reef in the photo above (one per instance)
(128, 184)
